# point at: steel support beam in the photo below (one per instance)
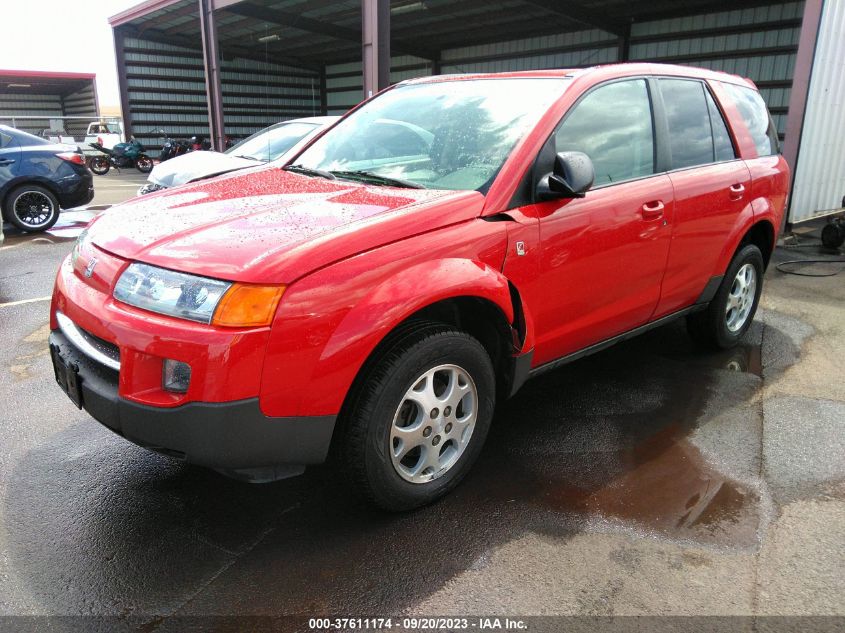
(324, 95)
(625, 44)
(211, 59)
(123, 84)
(375, 49)
(801, 80)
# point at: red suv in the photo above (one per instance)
(442, 243)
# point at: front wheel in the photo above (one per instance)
(730, 313)
(144, 164)
(419, 418)
(100, 165)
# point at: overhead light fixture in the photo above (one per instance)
(19, 85)
(408, 8)
(269, 38)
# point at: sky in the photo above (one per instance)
(59, 35)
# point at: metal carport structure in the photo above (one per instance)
(33, 100)
(230, 67)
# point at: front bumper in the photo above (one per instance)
(230, 436)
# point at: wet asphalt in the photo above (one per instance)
(651, 441)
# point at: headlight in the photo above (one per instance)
(149, 188)
(197, 298)
(80, 244)
(171, 293)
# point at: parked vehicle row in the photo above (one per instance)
(271, 144)
(416, 263)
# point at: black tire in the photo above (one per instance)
(363, 447)
(710, 327)
(100, 165)
(833, 235)
(31, 208)
(144, 164)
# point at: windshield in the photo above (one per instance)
(270, 143)
(442, 135)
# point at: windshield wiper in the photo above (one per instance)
(368, 176)
(307, 171)
(260, 160)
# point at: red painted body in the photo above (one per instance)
(358, 260)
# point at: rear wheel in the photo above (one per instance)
(419, 418)
(100, 165)
(730, 313)
(31, 208)
(144, 164)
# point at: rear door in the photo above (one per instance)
(601, 257)
(10, 155)
(712, 188)
(769, 172)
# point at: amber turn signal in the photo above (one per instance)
(246, 305)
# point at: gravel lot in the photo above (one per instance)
(650, 479)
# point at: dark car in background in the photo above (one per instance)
(38, 178)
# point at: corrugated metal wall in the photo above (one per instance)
(759, 43)
(820, 174)
(345, 88)
(26, 104)
(82, 103)
(167, 91)
(565, 50)
(15, 104)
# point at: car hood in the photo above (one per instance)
(195, 165)
(271, 226)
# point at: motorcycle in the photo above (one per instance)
(171, 148)
(199, 144)
(129, 154)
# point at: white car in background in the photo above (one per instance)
(270, 144)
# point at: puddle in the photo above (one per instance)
(68, 227)
(613, 446)
(746, 358)
(666, 486)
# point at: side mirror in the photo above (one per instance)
(572, 177)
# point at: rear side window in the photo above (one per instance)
(754, 113)
(690, 136)
(613, 126)
(25, 139)
(722, 146)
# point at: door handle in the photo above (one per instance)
(6, 161)
(652, 210)
(737, 190)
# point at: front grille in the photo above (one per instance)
(92, 346)
(104, 347)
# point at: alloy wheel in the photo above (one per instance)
(741, 297)
(433, 423)
(33, 208)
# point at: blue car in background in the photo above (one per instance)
(39, 178)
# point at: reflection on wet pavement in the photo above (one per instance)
(68, 227)
(615, 446)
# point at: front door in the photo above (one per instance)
(602, 257)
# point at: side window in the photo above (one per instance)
(690, 138)
(613, 126)
(5, 140)
(722, 146)
(753, 111)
